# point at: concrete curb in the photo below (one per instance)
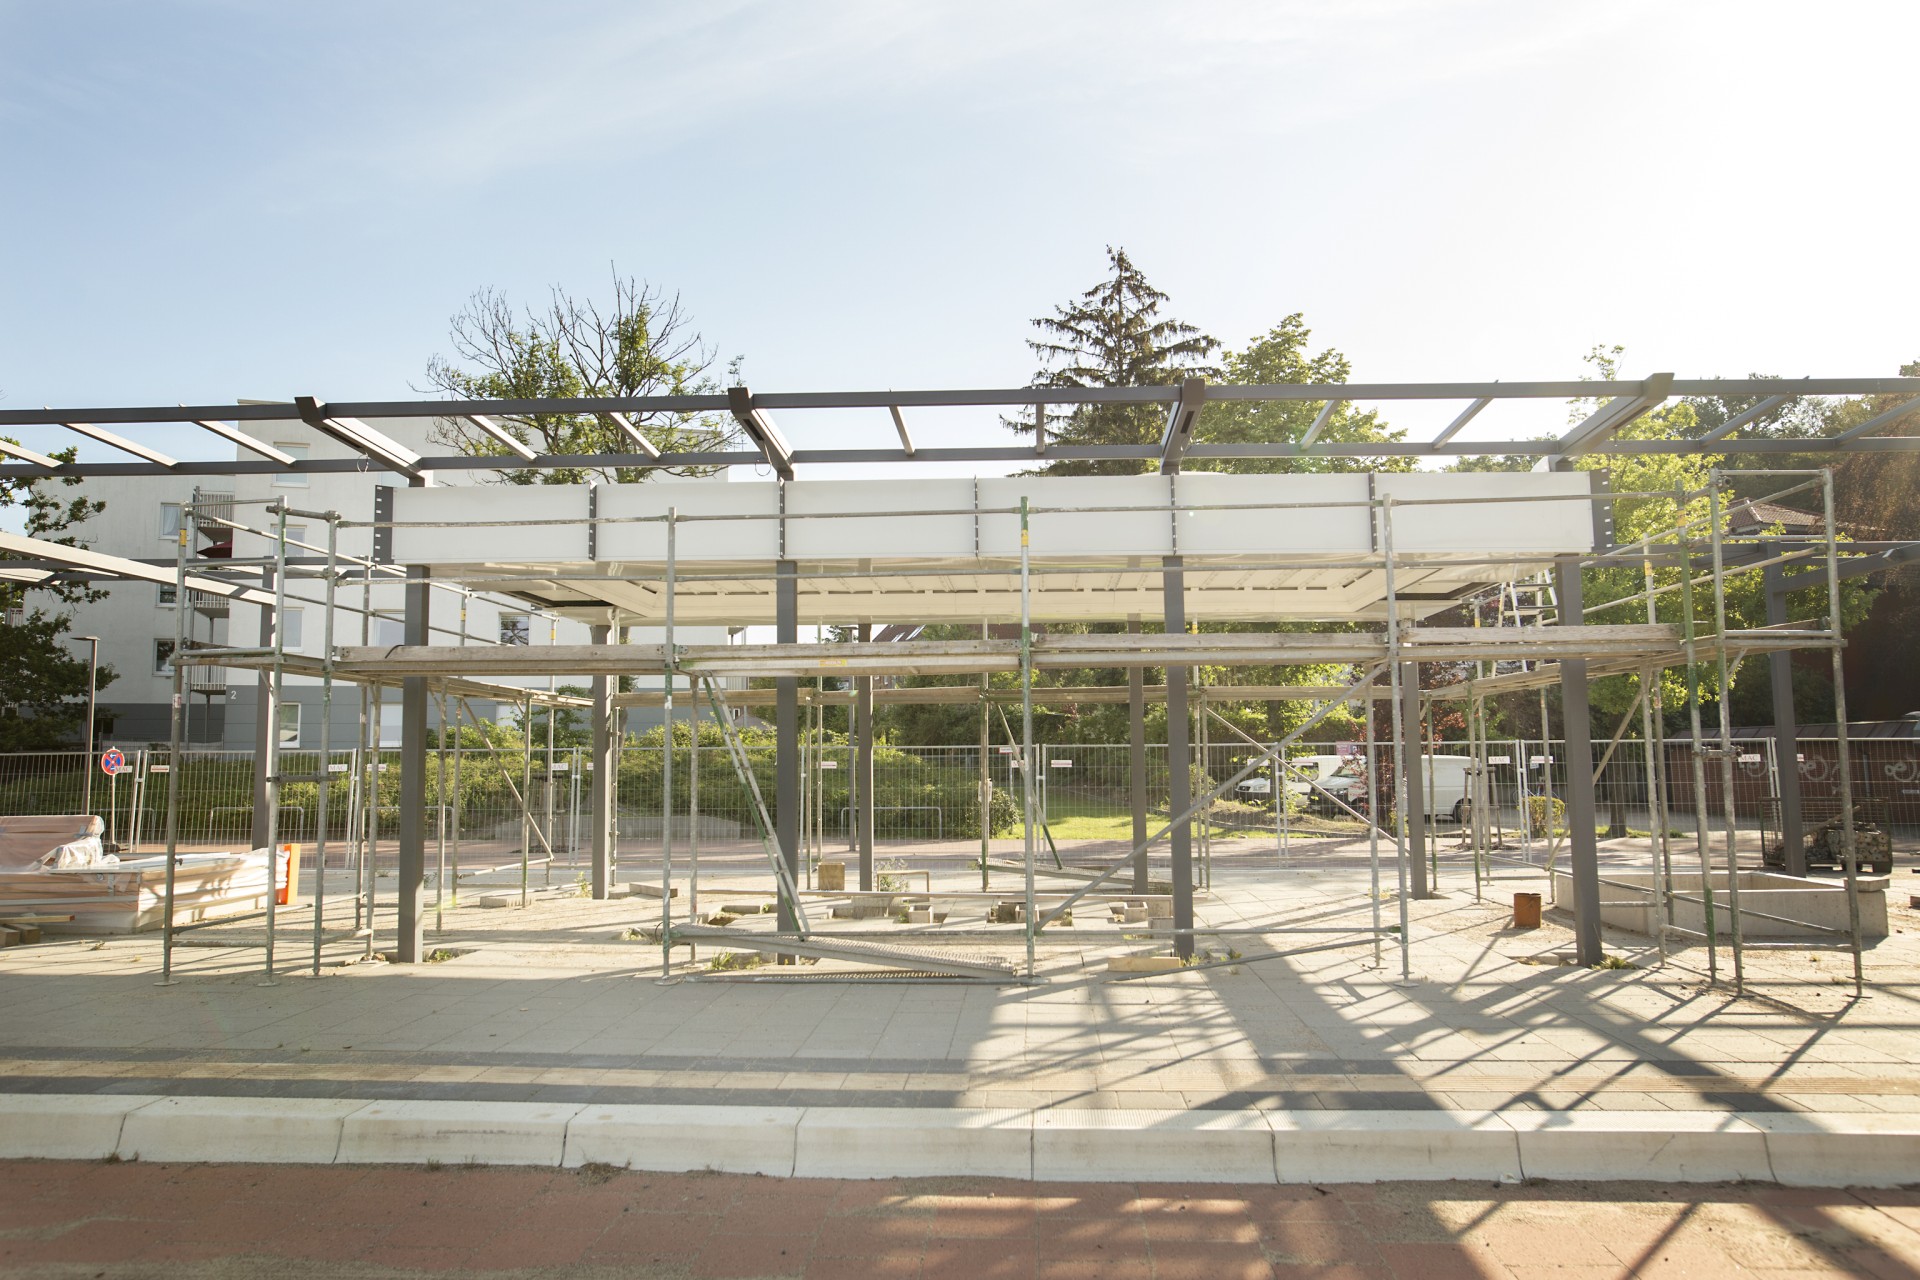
(1252, 1146)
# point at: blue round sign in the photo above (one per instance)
(111, 761)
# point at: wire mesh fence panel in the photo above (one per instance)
(43, 783)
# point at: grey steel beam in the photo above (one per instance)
(1786, 734)
(43, 467)
(786, 737)
(1559, 390)
(760, 429)
(1179, 759)
(1577, 730)
(1413, 763)
(413, 779)
(605, 761)
(1181, 421)
(1606, 421)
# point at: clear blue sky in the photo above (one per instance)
(201, 201)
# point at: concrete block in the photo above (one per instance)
(248, 1130)
(913, 1142)
(1878, 1149)
(685, 1139)
(1144, 964)
(1125, 1145)
(64, 1126)
(1387, 1146)
(531, 1133)
(1663, 1146)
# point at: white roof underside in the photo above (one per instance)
(1254, 547)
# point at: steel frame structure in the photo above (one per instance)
(1622, 403)
(1584, 651)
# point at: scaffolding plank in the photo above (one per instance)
(827, 947)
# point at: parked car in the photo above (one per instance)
(1337, 775)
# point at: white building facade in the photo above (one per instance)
(137, 622)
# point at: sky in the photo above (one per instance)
(211, 200)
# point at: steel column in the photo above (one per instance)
(1179, 761)
(413, 777)
(1786, 734)
(605, 760)
(863, 766)
(1137, 762)
(1413, 768)
(1582, 848)
(786, 737)
(264, 714)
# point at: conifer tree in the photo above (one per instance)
(1113, 335)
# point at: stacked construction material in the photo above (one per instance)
(54, 867)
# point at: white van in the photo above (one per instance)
(1445, 788)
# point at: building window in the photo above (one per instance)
(291, 479)
(516, 628)
(163, 657)
(292, 628)
(170, 515)
(289, 715)
(169, 595)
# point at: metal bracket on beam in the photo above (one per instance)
(1605, 422)
(383, 524)
(499, 433)
(24, 454)
(634, 434)
(760, 429)
(358, 436)
(1320, 423)
(245, 441)
(1872, 424)
(121, 443)
(900, 425)
(1184, 417)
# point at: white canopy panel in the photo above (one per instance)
(1254, 547)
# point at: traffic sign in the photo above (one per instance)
(111, 761)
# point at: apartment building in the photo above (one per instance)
(137, 623)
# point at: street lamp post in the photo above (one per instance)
(93, 674)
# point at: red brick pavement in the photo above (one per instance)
(73, 1219)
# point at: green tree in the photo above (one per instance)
(1113, 335)
(1281, 355)
(640, 343)
(43, 687)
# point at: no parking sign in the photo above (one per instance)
(112, 761)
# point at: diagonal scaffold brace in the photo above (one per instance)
(743, 766)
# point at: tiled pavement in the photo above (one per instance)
(69, 1219)
(549, 1004)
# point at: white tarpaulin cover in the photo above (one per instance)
(44, 843)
